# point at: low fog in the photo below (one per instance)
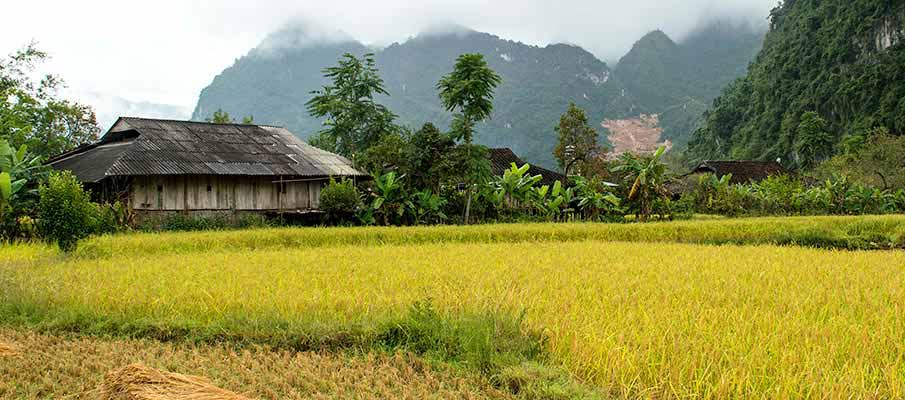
(165, 52)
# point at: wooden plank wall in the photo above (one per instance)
(196, 193)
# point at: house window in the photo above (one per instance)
(209, 188)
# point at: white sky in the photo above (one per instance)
(127, 56)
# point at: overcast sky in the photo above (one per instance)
(152, 58)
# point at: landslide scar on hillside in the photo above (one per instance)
(635, 135)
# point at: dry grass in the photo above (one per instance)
(64, 366)
(140, 382)
(7, 350)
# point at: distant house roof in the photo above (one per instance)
(140, 146)
(502, 159)
(742, 171)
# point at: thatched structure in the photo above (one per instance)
(181, 166)
(138, 382)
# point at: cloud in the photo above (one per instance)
(166, 51)
(110, 107)
(300, 33)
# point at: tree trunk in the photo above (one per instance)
(468, 205)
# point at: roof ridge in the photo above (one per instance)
(202, 122)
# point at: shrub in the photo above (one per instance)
(65, 211)
(110, 218)
(340, 201)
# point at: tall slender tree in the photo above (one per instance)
(354, 121)
(574, 130)
(468, 92)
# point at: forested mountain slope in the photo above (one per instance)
(679, 81)
(841, 59)
(274, 81)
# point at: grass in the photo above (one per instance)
(651, 320)
(72, 366)
(870, 232)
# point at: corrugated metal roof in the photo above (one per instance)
(165, 147)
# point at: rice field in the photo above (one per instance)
(639, 311)
(54, 366)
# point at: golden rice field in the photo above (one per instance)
(622, 307)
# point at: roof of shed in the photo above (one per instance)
(742, 171)
(502, 159)
(140, 146)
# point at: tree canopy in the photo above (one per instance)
(32, 113)
(354, 120)
(468, 91)
(839, 60)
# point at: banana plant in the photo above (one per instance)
(427, 207)
(648, 176)
(16, 167)
(389, 197)
(515, 184)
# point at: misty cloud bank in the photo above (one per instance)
(163, 66)
(606, 28)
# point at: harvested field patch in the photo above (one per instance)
(60, 366)
(139, 382)
(7, 350)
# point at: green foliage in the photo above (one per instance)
(538, 84)
(787, 195)
(678, 80)
(596, 201)
(222, 117)
(65, 211)
(574, 131)
(388, 153)
(647, 177)
(427, 208)
(354, 121)
(813, 143)
(389, 198)
(468, 91)
(514, 187)
(875, 159)
(20, 174)
(340, 201)
(482, 343)
(428, 162)
(830, 58)
(32, 113)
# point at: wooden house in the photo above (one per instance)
(163, 166)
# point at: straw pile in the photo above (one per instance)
(138, 382)
(7, 350)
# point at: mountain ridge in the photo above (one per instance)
(538, 84)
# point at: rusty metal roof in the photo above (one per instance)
(140, 147)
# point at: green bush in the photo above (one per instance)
(110, 218)
(340, 201)
(65, 211)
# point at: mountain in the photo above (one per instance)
(678, 81)
(273, 82)
(841, 59)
